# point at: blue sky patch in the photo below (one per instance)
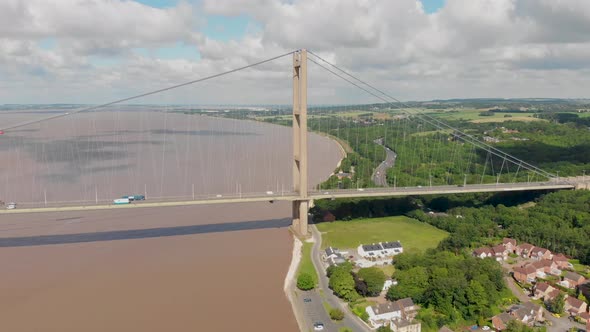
(432, 6)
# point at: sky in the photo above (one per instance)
(93, 51)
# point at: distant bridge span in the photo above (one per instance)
(293, 197)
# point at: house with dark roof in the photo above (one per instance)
(392, 248)
(572, 280)
(525, 274)
(380, 250)
(574, 306)
(374, 250)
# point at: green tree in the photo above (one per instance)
(305, 281)
(336, 314)
(383, 329)
(374, 278)
(516, 326)
(342, 283)
(556, 305)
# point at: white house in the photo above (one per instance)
(383, 313)
(371, 250)
(380, 250)
(392, 248)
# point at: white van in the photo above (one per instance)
(11, 206)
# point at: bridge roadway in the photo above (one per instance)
(271, 197)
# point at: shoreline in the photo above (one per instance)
(290, 279)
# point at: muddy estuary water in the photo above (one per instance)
(198, 268)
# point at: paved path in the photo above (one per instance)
(350, 320)
(557, 324)
(379, 175)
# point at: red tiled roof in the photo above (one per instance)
(507, 240)
(576, 303)
(559, 258)
(542, 287)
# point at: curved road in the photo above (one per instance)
(350, 320)
(379, 175)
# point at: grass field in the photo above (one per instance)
(413, 234)
(473, 116)
(306, 265)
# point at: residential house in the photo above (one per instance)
(538, 253)
(545, 266)
(500, 252)
(542, 290)
(588, 325)
(331, 252)
(509, 244)
(404, 325)
(525, 274)
(525, 249)
(562, 261)
(574, 306)
(374, 250)
(482, 253)
(380, 250)
(529, 313)
(445, 329)
(392, 248)
(500, 322)
(382, 314)
(572, 280)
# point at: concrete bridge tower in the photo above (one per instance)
(301, 205)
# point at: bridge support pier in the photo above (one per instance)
(300, 206)
(300, 217)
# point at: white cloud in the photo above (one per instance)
(469, 48)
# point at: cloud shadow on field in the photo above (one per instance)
(133, 234)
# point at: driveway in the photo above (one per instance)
(379, 175)
(557, 324)
(350, 320)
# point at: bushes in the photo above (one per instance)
(305, 281)
(336, 314)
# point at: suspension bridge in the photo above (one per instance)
(176, 153)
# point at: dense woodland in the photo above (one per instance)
(558, 221)
(451, 289)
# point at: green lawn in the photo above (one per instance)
(473, 115)
(413, 234)
(306, 265)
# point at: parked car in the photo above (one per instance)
(11, 206)
(307, 299)
(318, 326)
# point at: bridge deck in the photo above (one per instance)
(327, 194)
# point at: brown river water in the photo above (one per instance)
(197, 268)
